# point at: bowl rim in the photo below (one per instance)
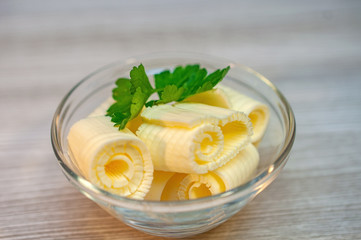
(256, 184)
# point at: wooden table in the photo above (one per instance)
(311, 51)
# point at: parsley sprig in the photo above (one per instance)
(131, 95)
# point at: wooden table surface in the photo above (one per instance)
(310, 50)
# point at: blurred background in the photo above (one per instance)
(311, 50)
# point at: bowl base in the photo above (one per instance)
(175, 231)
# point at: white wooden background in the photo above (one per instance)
(310, 49)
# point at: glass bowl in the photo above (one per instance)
(188, 217)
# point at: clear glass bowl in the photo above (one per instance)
(177, 218)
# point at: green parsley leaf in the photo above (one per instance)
(171, 93)
(120, 119)
(217, 76)
(179, 76)
(140, 79)
(193, 83)
(131, 95)
(123, 92)
(188, 80)
(138, 101)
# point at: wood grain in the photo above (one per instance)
(312, 52)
